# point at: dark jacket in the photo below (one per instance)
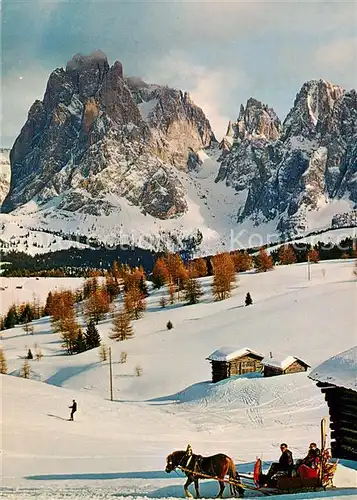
(286, 460)
(312, 458)
(74, 407)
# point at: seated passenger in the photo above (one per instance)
(284, 465)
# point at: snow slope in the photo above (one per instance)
(118, 448)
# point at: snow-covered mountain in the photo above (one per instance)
(120, 160)
(291, 173)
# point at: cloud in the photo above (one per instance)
(211, 88)
(222, 52)
(21, 90)
(340, 55)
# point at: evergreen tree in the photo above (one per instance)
(169, 325)
(193, 291)
(79, 343)
(248, 299)
(122, 328)
(27, 314)
(11, 318)
(92, 337)
(29, 354)
(47, 310)
(3, 364)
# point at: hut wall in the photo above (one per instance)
(220, 370)
(295, 368)
(342, 405)
(245, 364)
(271, 371)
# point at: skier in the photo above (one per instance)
(73, 409)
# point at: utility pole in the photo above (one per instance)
(110, 374)
(308, 268)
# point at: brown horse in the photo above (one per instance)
(217, 466)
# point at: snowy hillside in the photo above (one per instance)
(116, 449)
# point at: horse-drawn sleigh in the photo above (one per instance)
(221, 468)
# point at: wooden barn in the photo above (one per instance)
(229, 361)
(337, 379)
(280, 365)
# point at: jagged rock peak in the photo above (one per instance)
(313, 108)
(257, 119)
(79, 61)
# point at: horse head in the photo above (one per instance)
(174, 460)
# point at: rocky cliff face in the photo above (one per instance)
(96, 137)
(4, 173)
(289, 170)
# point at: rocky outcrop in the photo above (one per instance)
(4, 173)
(97, 137)
(293, 169)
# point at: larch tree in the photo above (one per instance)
(97, 305)
(134, 303)
(287, 255)
(313, 255)
(122, 328)
(3, 364)
(242, 261)
(201, 267)
(160, 273)
(223, 276)
(25, 370)
(263, 261)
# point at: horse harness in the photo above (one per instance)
(197, 464)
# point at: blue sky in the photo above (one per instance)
(221, 52)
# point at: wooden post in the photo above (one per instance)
(308, 269)
(110, 374)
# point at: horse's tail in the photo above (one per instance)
(236, 489)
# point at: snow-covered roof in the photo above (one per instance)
(281, 361)
(340, 370)
(227, 353)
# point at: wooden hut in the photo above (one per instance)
(279, 365)
(337, 379)
(229, 361)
